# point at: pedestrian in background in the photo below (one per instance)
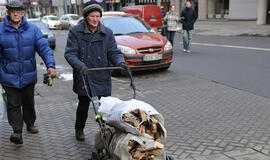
(19, 40)
(171, 20)
(91, 45)
(163, 12)
(188, 18)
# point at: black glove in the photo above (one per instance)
(124, 65)
(83, 69)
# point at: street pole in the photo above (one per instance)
(65, 5)
(158, 2)
(132, 2)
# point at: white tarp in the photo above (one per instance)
(113, 109)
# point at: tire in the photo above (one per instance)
(95, 156)
(169, 157)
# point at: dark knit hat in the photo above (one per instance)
(15, 5)
(91, 6)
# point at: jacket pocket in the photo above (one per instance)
(11, 68)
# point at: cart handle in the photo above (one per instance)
(115, 68)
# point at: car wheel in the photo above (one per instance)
(53, 47)
(95, 156)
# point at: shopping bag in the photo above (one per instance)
(3, 108)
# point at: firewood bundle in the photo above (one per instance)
(139, 152)
(147, 125)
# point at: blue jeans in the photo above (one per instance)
(187, 36)
(170, 36)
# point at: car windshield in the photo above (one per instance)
(39, 24)
(125, 25)
(75, 17)
(53, 18)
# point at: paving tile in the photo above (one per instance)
(213, 157)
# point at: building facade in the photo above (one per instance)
(207, 9)
(234, 10)
(3, 8)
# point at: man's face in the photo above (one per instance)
(93, 19)
(188, 4)
(16, 15)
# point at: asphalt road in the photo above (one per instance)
(239, 62)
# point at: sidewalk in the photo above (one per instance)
(231, 28)
(204, 120)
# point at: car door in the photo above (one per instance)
(66, 21)
(62, 21)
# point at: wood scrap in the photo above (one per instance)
(131, 119)
(146, 125)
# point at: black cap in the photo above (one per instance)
(91, 6)
(15, 5)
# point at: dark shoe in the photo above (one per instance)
(79, 135)
(32, 129)
(16, 138)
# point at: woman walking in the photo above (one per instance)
(171, 19)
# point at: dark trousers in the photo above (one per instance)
(82, 111)
(20, 106)
(170, 36)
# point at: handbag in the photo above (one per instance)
(3, 104)
(164, 31)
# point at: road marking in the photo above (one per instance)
(230, 46)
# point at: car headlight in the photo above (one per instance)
(51, 35)
(127, 50)
(168, 46)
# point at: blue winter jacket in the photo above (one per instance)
(17, 53)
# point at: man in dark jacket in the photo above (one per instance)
(188, 18)
(91, 45)
(19, 40)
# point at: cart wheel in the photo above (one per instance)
(169, 157)
(95, 156)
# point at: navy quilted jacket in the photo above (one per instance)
(17, 53)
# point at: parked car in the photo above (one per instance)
(69, 20)
(46, 32)
(151, 14)
(52, 22)
(142, 47)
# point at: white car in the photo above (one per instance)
(52, 22)
(69, 20)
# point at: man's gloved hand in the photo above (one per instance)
(124, 65)
(83, 70)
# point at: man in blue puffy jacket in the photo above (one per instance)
(19, 40)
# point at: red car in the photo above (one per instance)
(143, 47)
